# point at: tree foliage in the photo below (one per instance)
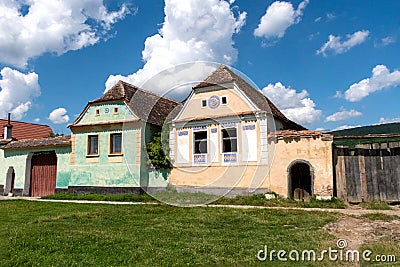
(157, 154)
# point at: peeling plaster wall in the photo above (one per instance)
(315, 151)
(17, 159)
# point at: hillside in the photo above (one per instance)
(389, 128)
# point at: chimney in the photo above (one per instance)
(8, 128)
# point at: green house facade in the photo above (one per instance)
(108, 139)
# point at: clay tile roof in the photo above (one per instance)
(292, 134)
(44, 142)
(148, 106)
(26, 130)
(225, 75)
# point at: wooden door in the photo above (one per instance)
(43, 174)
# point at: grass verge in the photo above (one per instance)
(184, 199)
(375, 205)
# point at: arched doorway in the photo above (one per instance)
(300, 179)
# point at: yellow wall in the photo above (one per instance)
(239, 127)
(236, 105)
(315, 151)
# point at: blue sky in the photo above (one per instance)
(325, 64)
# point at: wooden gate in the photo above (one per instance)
(43, 174)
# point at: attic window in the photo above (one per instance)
(97, 112)
(203, 103)
(224, 100)
(115, 110)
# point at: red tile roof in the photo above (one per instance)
(293, 134)
(26, 130)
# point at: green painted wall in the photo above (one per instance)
(17, 159)
(106, 113)
(101, 170)
(104, 172)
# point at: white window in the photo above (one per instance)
(229, 140)
(200, 142)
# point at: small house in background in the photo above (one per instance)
(224, 140)
(109, 137)
(31, 161)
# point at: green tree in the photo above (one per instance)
(157, 154)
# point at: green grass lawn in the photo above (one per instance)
(64, 234)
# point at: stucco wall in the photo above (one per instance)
(106, 113)
(315, 151)
(275, 177)
(106, 169)
(236, 104)
(17, 159)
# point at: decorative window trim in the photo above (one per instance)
(230, 138)
(200, 140)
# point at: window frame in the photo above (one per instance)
(97, 112)
(203, 103)
(116, 110)
(88, 152)
(200, 140)
(226, 98)
(111, 147)
(229, 138)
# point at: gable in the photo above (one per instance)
(219, 102)
(106, 112)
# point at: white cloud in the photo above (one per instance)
(51, 26)
(388, 40)
(59, 116)
(344, 127)
(389, 120)
(381, 78)
(193, 30)
(343, 115)
(278, 18)
(337, 46)
(17, 92)
(296, 106)
(330, 16)
(36, 120)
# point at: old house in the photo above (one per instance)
(226, 137)
(109, 138)
(224, 140)
(30, 160)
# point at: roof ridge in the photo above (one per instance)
(146, 91)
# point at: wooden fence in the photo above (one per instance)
(368, 172)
